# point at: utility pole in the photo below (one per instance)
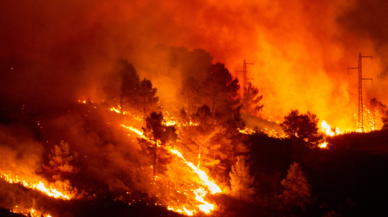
(244, 71)
(360, 120)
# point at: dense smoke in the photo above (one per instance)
(56, 51)
(19, 154)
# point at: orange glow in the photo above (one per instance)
(327, 129)
(40, 186)
(323, 145)
(28, 211)
(199, 193)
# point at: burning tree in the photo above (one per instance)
(199, 136)
(385, 120)
(155, 147)
(302, 127)
(241, 180)
(378, 110)
(251, 99)
(61, 161)
(190, 93)
(296, 188)
(221, 90)
(122, 85)
(237, 145)
(146, 96)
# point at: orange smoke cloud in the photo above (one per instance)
(300, 50)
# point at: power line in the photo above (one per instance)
(244, 71)
(360, 121)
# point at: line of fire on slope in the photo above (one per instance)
(169, 121)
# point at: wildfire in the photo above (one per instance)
(118, 111)
(168, 120)
(40, 186)
(30, 212)
(138, 132)
(271, 133)
(211, 185)
(327, 129)
(200, 193)
(323, 145)
(205, 206)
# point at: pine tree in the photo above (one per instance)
(241, 180)
(302, 127)
(146, 96)
(155, 146)
(221, 90)
(378, 110)
(251, 99)
(122, 84)
(296, 188)
(61, 161)
(190, 93)
(385, 120)
(237, 145)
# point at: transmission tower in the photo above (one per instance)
(360, 118)
(244, 71)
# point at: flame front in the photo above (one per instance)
(200, 193)
(40, 186)
(327, 129)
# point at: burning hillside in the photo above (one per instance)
(171, 105)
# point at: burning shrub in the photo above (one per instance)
(240, 180)
(302, 127)
(61, 160)
(251, 100)
(297, 189)
(155, 147)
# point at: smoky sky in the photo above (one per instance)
(53, 52)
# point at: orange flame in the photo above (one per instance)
(40, 186)
(327, 129)
(323, 145)
(200, 193)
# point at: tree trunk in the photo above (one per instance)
(121, 103)
(155, 160)
(144, 110)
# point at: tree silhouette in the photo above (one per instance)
(61, 161)
(146, 96)
(122, 84)
(200, 136)
(296, 188)
(190, 93)
(302, 126)
(241, 180)
(221, 89)
(237, 145)
(385, 120)
(156, 148)
(251, 99)
(378, 111)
